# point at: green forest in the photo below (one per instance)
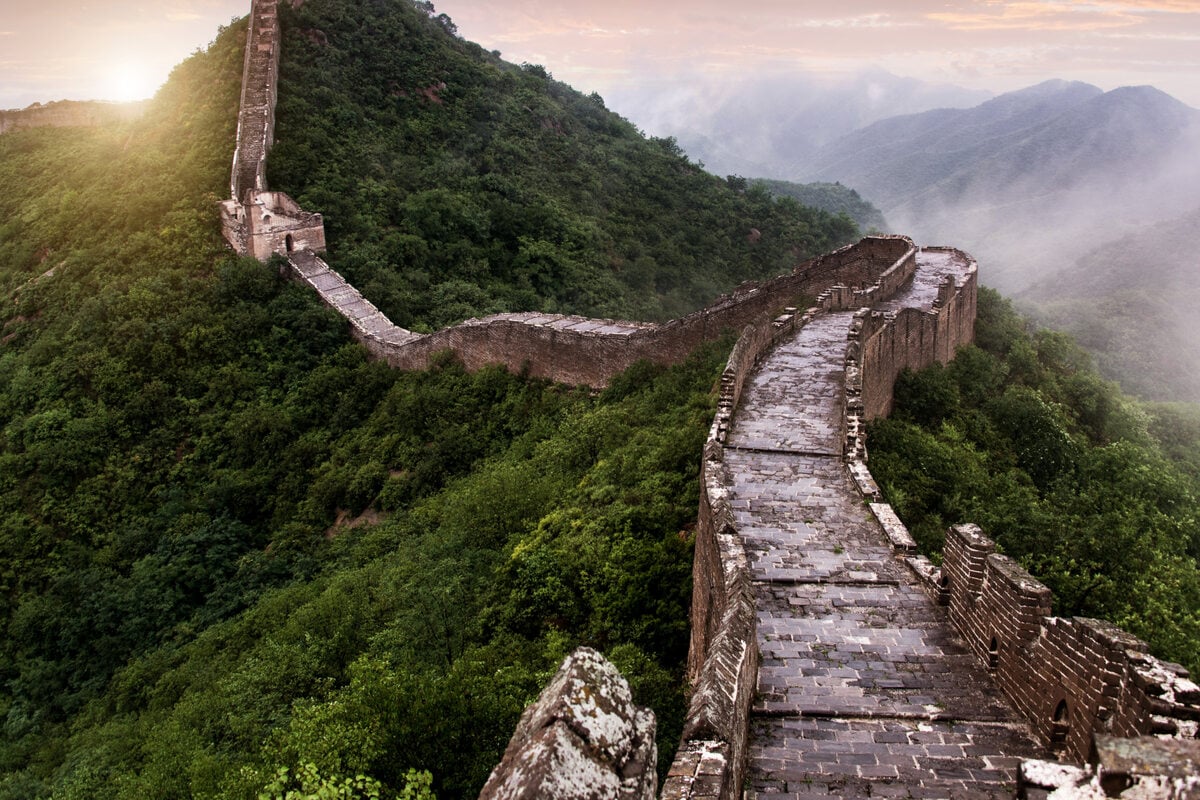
(240, 560)
(832, 197)
(454, 184)
(1093, 492)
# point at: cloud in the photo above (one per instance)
(1155, 37)
(858, 21)
(1058, 15)
(1169, 6)
(1039, 16)
(183, 16)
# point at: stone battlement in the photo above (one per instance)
(1072, 678)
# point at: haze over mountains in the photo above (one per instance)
(1133, 304)
(1030, 180)
(1035, 183)
(770, 127)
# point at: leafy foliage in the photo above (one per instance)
(240, 560)
(454, 184)
(832, 197)
(1092, 492)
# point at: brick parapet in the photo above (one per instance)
(1072, 679)
(577, 350)
(723, 659)
(914, 338)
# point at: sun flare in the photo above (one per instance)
(129, 81)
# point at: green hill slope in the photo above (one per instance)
(231, 545)
(832, 197)
(455, 184)
(1093, 493)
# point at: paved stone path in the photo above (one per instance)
(346, 300)
(863, 689)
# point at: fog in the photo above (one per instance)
(769, 125)
(1075, 202)
(1024, 230)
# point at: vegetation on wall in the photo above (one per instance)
(454, 184)
(1092, 492)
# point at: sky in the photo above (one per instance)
(124, 49)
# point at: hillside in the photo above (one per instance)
(454, 184)
(832, 197)
(240, 559)
(1030, 180)
(68, 113)
(1132, 304)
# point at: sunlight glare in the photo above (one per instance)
(129, 81)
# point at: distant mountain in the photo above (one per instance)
(1029, 180)
(1133, 304)
(769, 127)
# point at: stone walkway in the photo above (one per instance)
(863, 690)
(346, 300)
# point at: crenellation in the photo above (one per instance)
(1072, 678)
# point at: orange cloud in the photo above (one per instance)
(1074, 15)
(1170, 6)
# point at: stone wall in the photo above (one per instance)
(577, 350)
(723, 658)
(913, 339)
(255, 221)
(256, 111)
(1072, 678)
(69, 114)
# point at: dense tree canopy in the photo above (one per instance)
(455, 184)
(1094, 493)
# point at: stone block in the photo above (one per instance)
(582, 739)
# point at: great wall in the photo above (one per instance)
(69, 114)
(827, 659)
